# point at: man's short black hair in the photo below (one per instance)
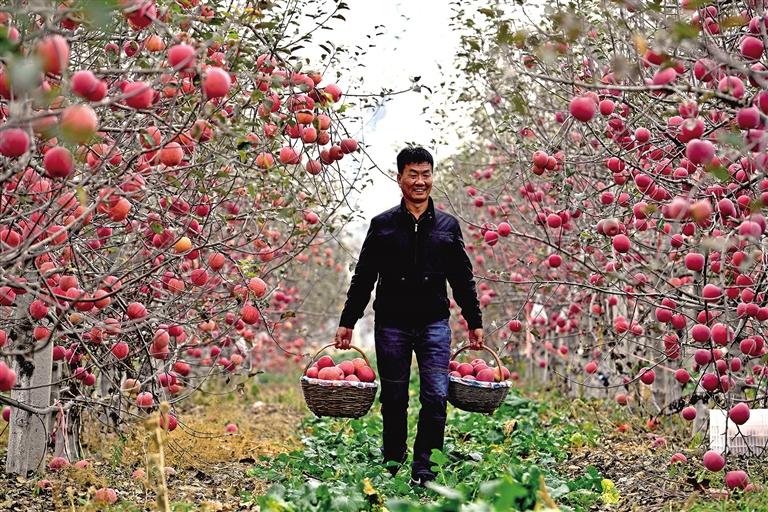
(413, 155)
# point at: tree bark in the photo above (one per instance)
(28, 436)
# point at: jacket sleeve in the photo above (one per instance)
(462, 282)
(366, 273)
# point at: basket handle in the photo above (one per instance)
(499, 375)
(312, 359)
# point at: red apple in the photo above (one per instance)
(713, 461)
(84, 83)
(487, 375)
(171, 154)
(582, 108)
(739, 413)
(58, 162)
(347, 367)
(78, 123)
(328, 373)
(138, 95)
(181, 57)
(678, 458)
(647, 376)
(736, 479)
(53, 52)
(14, 142)
(365, 374)
(145, 400)
(216, 83)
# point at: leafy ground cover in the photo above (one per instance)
(540, 451)
(498, 461)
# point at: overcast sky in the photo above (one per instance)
(417, 40)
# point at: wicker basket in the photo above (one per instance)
(474, 396)
(337, 398)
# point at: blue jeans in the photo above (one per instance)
(394, 347)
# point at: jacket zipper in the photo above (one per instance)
(416, 240)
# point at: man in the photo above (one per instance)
(410, 251)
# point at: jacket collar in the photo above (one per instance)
(428, 214)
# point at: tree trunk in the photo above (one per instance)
(67, 443)
(28, 436)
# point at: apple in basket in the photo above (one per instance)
(476, 370)
(355, 370)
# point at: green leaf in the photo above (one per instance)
(732, 21)
(719, 171)
(99, 12)
(682, 31)
(731, 138)
(519, 104)
(6, 45)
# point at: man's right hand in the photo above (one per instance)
(343, 338)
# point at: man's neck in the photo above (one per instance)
(416, 209)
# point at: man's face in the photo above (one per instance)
(416, 182)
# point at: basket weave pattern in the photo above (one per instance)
(337, 399)
(470, 397)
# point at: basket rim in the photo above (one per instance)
(338, 383)
(480, 384)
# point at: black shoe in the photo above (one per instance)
(421, 480)
(394, 465)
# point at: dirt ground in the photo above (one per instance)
(206, 466)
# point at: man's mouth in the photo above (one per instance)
(418, 190)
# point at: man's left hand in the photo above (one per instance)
(476, 338)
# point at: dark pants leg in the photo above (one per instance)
(393, 357)
(394, 346)
(433, 351)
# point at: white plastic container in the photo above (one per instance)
(751, 438)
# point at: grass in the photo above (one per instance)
(522, 457)
(506, 461)
(538, 448)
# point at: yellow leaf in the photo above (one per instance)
(544, 502)
(640, 43)
(577, 439)
(610, 495)
(368, 488)
(82, 196)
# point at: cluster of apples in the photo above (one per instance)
(478, 369)
(355, 370)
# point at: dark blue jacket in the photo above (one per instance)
(410, 262)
